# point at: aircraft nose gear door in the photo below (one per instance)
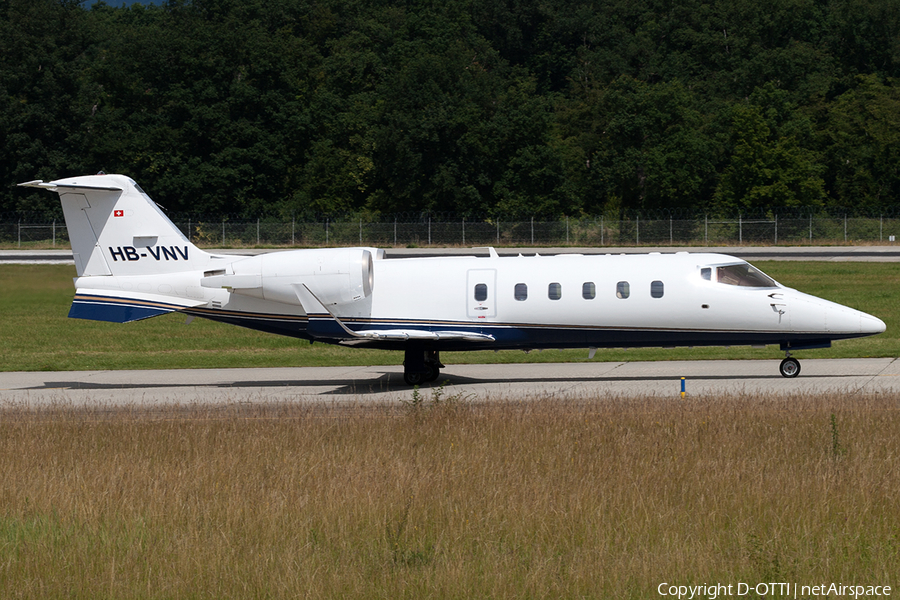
(481, 294)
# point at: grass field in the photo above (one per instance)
(580, 498)
(34, 302)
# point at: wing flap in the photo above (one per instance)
(420, 334)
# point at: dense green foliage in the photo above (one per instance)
(481, 107)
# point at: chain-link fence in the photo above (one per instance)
(599, 231)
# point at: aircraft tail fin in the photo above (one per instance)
(116, 229)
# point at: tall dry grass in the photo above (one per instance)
(546, 498)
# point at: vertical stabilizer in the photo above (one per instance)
(116, 229)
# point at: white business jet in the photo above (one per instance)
(133, 263)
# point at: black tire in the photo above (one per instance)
(431, 373)
(790, 367)
(413, 378)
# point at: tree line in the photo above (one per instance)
(478, 107)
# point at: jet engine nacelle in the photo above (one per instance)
(334, 275)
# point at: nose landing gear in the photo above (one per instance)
(790, 367)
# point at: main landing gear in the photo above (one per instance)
(421, 366)
(790, 367)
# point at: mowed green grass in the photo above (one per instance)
(37, 335)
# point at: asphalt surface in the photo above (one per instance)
(468, 382)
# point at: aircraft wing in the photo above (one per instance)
(116, 306)
(418, 334)
(324, 323)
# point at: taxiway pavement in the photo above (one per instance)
(470, 382)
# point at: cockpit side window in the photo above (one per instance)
(706, 273)
(744, 275)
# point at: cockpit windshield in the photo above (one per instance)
(745, 275)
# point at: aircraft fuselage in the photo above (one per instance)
(133, 263)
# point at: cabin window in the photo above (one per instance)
(656, 289)
(588, 290)
(706, 273)
(744, 275)
(554, 291)
(623, 289)
(481, 292)
(521, 292)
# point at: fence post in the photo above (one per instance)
(464, 231)
(429, 230)
(20, 232)
(740, 228)
(498, 232)
(845, 228)
(54, 233)
(567, 230)
(637, 230)
(326, 231)
(293, 219)
(532, 231)
(776, 229)
(810, 228)
(880, 228)
(601, 231)
(189, 230)
(706, 229)
(670, 231)
(360, 231)
(395, 231)
(257, 231)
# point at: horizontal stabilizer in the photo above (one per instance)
(54, 186)
(123, 307)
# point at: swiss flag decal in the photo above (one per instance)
(118, 213)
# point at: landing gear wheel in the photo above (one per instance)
(413, 378)
(421, 366)
(430, 374)
(790, 367)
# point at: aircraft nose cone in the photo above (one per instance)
(846, 320)
(870, 325)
